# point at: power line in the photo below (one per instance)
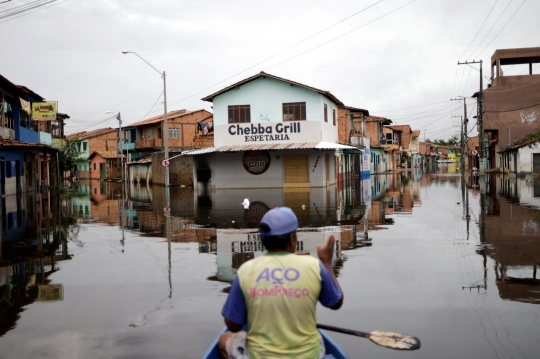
(142, 118)
(279, 53)
(503, 27)
(496, 21)
(406, 108)
(340, 36)
(479, 30)
(28, 12)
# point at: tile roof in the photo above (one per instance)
(106, 154)
(416, 133)
(85, 135)
(523, 141)
(7, 144)
(262, 74)
(170, 116)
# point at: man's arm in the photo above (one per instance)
(233, 327)
(325, 256)
(234, 311)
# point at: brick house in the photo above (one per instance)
(377, 140)
(87, 142)
(511, 104)
(146, 140)
(352, 131)
(183, 130)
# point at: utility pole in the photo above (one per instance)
(120, 149)
(480, 101)
(464, 150)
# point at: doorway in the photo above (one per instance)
(296, 171)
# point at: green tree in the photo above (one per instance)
(68, 162)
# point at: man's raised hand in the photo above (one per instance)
(326, 252)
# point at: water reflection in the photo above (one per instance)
(35, 231)
(512, 236)
(384, 226)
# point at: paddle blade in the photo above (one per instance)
(394, 340)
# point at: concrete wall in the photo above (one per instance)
(140, 173)
(6, 132)
(525, 158)
(266, 97)
(26, 135)
(228, 170)
(45, 138)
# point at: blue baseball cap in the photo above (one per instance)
(280, 220)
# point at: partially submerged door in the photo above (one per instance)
(536, 163)
(296, 171)
(102, 170)
(327, 167)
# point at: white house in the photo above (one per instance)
(521, 156)
(271, 132)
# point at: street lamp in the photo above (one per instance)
(165, 124)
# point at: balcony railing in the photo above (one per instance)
(155, 142)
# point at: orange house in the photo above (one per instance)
(106, 165)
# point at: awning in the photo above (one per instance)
(272, 147)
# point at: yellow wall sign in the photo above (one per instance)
(44, 111)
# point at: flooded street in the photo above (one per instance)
(101, 273)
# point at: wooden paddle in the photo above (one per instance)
(385, 339)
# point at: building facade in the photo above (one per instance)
(272, 132)
(511, 101)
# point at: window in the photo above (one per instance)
(334, 117)
(325, 113)
(84, 146)
(239, 114)
(94, 166)
(294, 111)
(159, 133)
(174, 133)
(149, 134)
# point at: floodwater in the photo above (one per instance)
(92, 275)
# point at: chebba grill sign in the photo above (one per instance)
(256, 162)
(260, 132)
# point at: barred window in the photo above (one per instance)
(239, 114)
(294, 111)
(174, 133)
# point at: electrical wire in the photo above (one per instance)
(406, 108)
(142, 118)
(340, 36)
(27, 10)
(474, 38)
(484, 49)
(279, 53)
(496, 21)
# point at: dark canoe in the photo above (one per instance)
(333, 351)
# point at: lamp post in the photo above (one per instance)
(165, 125)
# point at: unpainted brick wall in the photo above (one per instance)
(104, 143)
(343, 126)
(180, 170)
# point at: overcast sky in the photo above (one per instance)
(375, 59)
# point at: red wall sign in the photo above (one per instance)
(256, 162)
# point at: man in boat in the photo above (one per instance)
(275, 296)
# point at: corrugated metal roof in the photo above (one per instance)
(271, 146)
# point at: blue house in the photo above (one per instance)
(26, 163)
